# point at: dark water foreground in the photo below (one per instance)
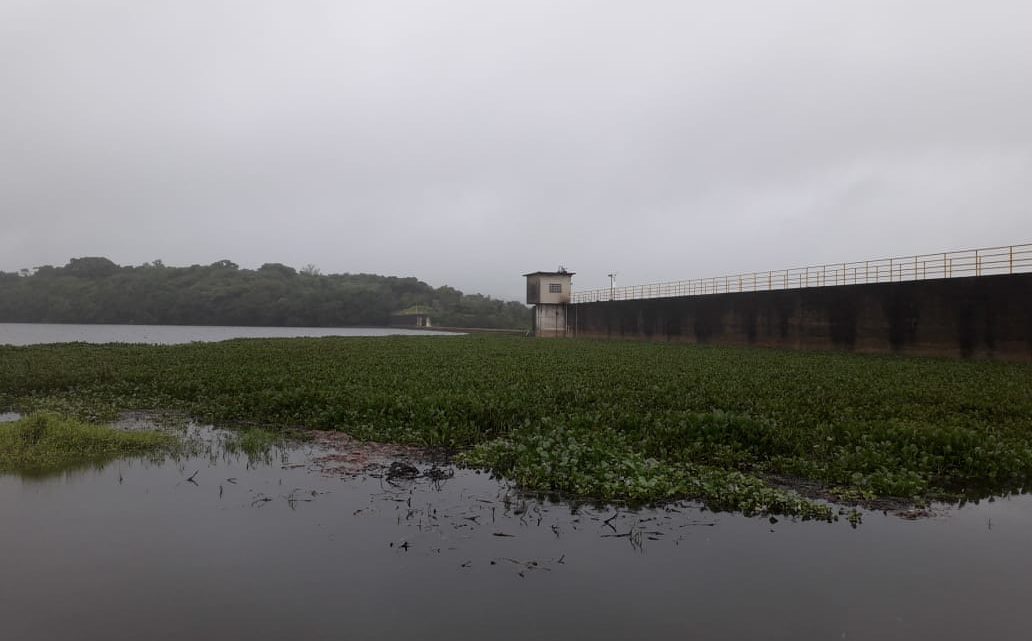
(285, 549)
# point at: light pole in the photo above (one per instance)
(612, 281)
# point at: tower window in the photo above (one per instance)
(555, 288)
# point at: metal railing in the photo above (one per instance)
(1011, 259)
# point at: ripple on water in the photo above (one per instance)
(321, 541)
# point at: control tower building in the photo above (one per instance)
(549, 293)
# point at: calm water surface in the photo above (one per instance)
(284, 550)
(40, 333)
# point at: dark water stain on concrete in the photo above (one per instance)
(322, 541)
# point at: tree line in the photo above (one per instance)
(97, 290)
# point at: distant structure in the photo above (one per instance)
(415, 316)
(974, 303)
(549, 293)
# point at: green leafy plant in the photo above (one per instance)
(612, 420)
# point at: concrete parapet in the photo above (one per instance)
(976, 317)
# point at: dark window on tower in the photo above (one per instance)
(555, 288)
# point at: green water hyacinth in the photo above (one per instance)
(627, 421)
(596, 463)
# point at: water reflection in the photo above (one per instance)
(216, 543)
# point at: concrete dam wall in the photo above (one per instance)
(976, 317)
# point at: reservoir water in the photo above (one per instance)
(216, 545)
(42, 333)
(300, 546)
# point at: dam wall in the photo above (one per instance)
(987, 317)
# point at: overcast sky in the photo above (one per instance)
(469, 141)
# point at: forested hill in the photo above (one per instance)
(96, 290)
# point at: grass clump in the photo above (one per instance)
(260, 444)
(47, 442)
(255, 442)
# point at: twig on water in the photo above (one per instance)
(189, 479)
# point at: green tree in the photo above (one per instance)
(96, 290)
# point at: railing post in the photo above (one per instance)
(1010, 260)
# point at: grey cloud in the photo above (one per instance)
(467, 142)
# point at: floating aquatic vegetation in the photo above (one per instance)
(639, 422)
